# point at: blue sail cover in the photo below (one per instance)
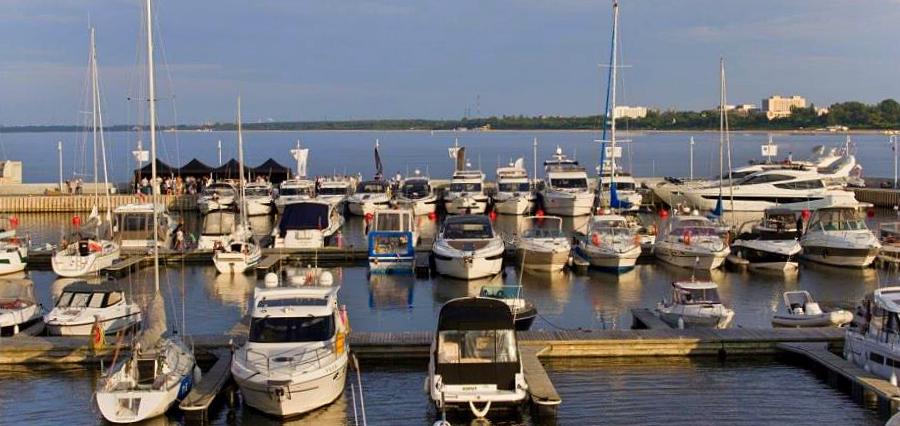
(303, 216)
(614, 200)
(717, 212)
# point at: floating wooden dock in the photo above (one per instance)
(862, 385)
(645, 319)
(126, 266)
(540, 388)
(211, 383)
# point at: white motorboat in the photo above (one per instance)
(307, 224)
(416, 194)
(542, 246)
(296, 355)
(466, 193)
(514, 195)
(216, 230)
(392, 240)
(467, 248)
(81, 307)
(160, 369)
(217, 196)
(13, 257)
(771, 243)
(335, 190)
(611, 243)
(134, 226)
(474, 359)
(524, 312)
(84, 257)
(293, 191)
(837, 235)
(19, 309)
(801, 188)
(694, 304)
(566, 191)
(259, 199)
(802, 311)
(370, 195)
(872, 341)
(690, 241)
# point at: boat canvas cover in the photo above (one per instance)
(17, 289)
(218, 223)
(391, 244)
(304, 216)
(472, 313)
(85, 287)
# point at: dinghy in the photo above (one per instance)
(802, 311)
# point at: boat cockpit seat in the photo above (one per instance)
(797, 308)
(449, 352)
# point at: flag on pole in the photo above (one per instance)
(300, 154)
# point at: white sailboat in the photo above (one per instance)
(91, 252)
(240, 254)
(160, 369)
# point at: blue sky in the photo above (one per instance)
(348, 59)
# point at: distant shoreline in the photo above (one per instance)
(474, 131)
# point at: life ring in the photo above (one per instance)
(686, 237)
(595, 239)
(97, 337)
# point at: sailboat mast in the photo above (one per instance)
(241, 165)
(151, 92)
(721, 122)
(94, 108)
(98, 111)
(612, 95)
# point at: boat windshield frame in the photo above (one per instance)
(696, 296)
(285, 329)
(569, 183)
(479, 347)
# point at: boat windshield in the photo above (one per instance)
(371, 187)
(465, 187)
(291, 329)
(256, 192)
(221, 191)
(467, 231)
(294, 190)
(696, 231)
(543, 233)
(87, 300)
(570, 183)
(501, 291)
(333, 190)
(513, 187)
(476, 346)
(415, 189)
(838, 220)
(620, 186)
(696, 296)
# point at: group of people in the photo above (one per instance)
(173, 185)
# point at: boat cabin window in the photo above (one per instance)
(764, 178)
(371, 187)
(696, 296)
(222, 191)
(333, 190)
(803, 184)
(465, 187)
(392, 222)
(514, 187)
(464, 231)
(500, 292)
(416, 189)
(890, 330)
(294, 190)
(543, 233)
(620, 186)
(570, 183)
(256, 192)
(218, 223)
(838, 220)
(696, 231)
(476, 346)
(130, 222)
(390, 244)
(86, 300)
(292, 301)
(291, 329)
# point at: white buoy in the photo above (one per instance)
(326, 278)
(298, 280)
(680, 323)
(271, 280)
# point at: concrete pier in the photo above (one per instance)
(85, 202)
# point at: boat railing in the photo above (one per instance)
(289, 361)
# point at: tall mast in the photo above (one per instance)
(151, 92)
(92, 69)
(241, 165)
(721, 123)
(612, 95)
(98, 130)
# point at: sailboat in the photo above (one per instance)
(160, 369)
(371, 195)
(240, 253)
(90, 252)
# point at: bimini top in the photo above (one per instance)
(888, 298)
(475, 313)
(695, 285)
(305, 215)
(85, 287)
(317, 301)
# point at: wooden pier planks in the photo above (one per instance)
(644, 318)
(540, 387)
(125, 266)
(204, 393)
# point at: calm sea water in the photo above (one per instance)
(649, 153)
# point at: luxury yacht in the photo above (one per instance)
(335, 190)
(566, 191)
(217, 196)
(690, 241)
(294, 190)
(514, 195)
(872, 341)
(416, 194)
(466, 193)
(467, 248)
(259, 199)
(611, 243)
(542, 246)
(772, 243)
(370, 195)
(837, 235)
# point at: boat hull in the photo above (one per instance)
(475, 268)
(108, 325)
(258, 208)
(676, 319)
(542, 261)
(391, 265)
(364, 208)
(71, 266)
(285, 398)
(608, 260)
(515, 205)
(466, 205)
(705, 260)
(236, 263)
(419, 207)
(836, 256)
(566, 204)
(827, 319)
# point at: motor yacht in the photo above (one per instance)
(307, 224)
(542, 246)
(566, 191)
(837, 235)
(872, 341)
(216, 230)
(81, 307)
(217, 196)
(467, 248)
(370, 195)
(514, 193)
(690, 241)
(772, 243)
(474, 358)
(259, 199)
(611, 243)
(694, 304)
(294, 190)
(296, 355)
(134, 226)
(335, 190)
(416, 194)
(466, 193)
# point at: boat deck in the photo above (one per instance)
(204, 393)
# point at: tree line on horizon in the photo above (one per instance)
(852, 114)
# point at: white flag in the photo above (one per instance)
(454, 151)
(141, 156)
(520, 163)
(301, 155)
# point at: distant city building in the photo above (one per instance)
(746, 107)
(631, 112)
(777, 106)
(821, 111)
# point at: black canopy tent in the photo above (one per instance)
(230, 170)
(272, 171)
(162, 170)
(195, 168)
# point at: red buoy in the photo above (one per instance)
(493, 215)
(432, 216)
(539, 213)
(14, 222)
(870, 213)
(369, 217)
(805, 214)
(76, 220)
(663, 213)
